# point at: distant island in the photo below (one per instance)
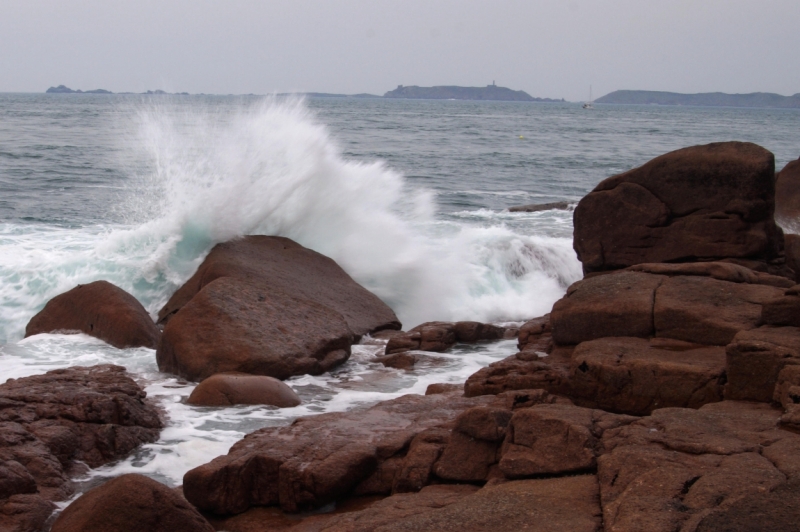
(708, 99)
(444, 92)
(63, 89)
(452, 92)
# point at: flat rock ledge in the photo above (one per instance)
(53, 426)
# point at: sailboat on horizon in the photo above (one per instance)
(589, 104)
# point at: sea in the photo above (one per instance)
(410, 197)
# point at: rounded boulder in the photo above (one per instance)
(131, 503)
(99, 309)
(228, 389)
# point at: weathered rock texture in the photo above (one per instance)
(50, 422)
(699, 203)
(680, 467)
(99, 309)
(266, 306)
(131, 503)
(227, 389)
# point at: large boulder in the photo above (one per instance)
(266, 306)
(236, 326)
(99, 309)
(228, 389)
(787, 197)
(131, 503)
(285, 265)
(60, 422)
(700, 203)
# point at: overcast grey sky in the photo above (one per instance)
(548, 48)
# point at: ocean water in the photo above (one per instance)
(409, 197)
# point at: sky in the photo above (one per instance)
(555, 49)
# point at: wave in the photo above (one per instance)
(208, 174)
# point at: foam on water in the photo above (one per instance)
(270, 168)
(207, 175)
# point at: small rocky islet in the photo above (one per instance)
(661, 392)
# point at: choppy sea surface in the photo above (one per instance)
(409, 197)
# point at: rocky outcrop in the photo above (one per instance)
(679, 467)
(131, 503)
(694, 308)
(55, 424)
(396, 446)
(787, 197)
(228, 389)
(266, 306)
(99, 309)
(700, 203)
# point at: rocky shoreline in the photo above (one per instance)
(661, 392)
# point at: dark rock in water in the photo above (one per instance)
(534, 207)
(787, 197)
(704, 202)
(131, 503)
(235, 326)
(228, 389)
(99, 309)
(52, 423)
(282, 264)
(438, 336)
(266, 306)
(401, 360)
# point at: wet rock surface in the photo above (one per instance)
(56, 424)
(99, 309)
(228, 389)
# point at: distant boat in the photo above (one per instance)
(589, 104)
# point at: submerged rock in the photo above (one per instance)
(704, 202)
(228, 389)
(59, 422)
(98, 309)
(131, 503)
